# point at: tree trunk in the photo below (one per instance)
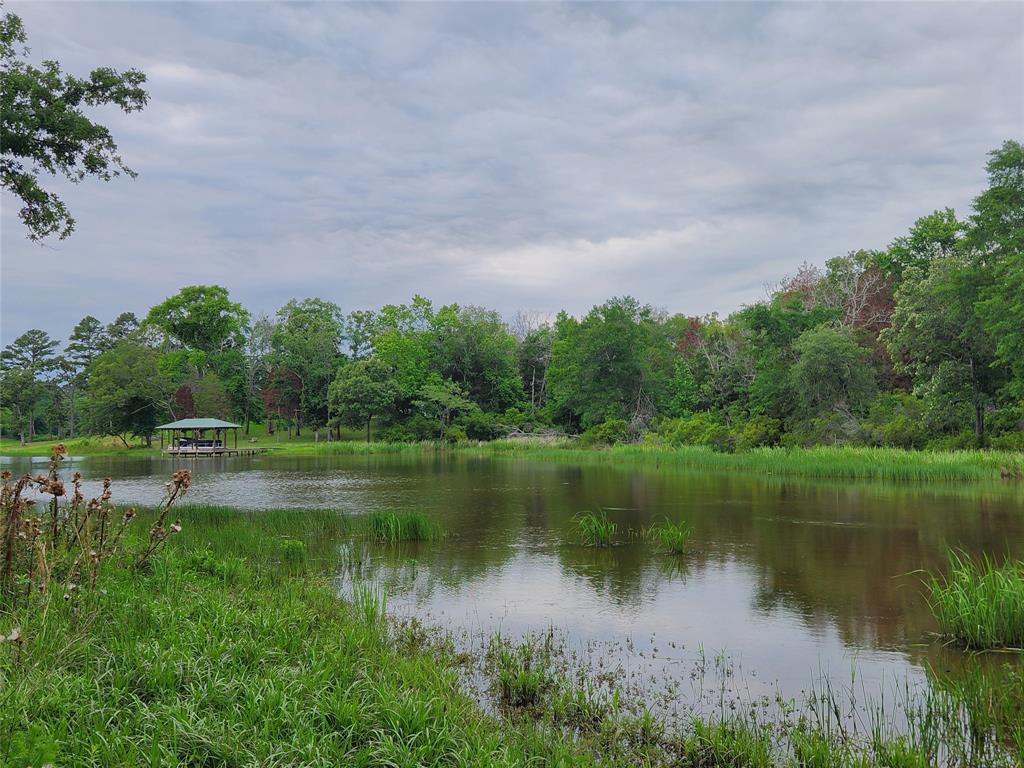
(368, 430)
(979, 424)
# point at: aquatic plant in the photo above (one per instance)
(673, 536)
(595, 529)
(393, 527)
(980, 603)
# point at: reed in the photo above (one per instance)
(672, 536)
(393, 527)
(980, 603)
(595, 529)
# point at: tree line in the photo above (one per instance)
(919, 345)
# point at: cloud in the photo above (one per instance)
(539, 156)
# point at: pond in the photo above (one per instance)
(789, 583)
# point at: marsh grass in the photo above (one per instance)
(673, 537)
(394, 527)
(980, 603)
(846, 462)
(595, 528)
(233, 649)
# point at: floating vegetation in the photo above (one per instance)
(595, 529)
(980, 603)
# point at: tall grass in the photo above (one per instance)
(892, 464)
(672, 536)
(595, 529)
(393, 527)
(980, 604)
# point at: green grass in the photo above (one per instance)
(672, 536)
(980, 604)
(888, 464)
(233, 648)
(393, 527)
(595, 529)
(823, 462)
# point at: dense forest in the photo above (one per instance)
(920, 345)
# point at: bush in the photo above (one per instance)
(961, 441)
(756, 432)
(412, 430)
(700, 429)
(896, 421)
(1011, 441)
(831, 429)
(608, 432)
(481, 426)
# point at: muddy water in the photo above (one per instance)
(789, 582)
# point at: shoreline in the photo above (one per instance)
(844, 462)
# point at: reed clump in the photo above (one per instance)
(980, 603)
(595, 528)
(394, 527)
(673, 537)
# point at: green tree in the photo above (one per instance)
(616, 363)
(360, 326)
(473, 347)
(201, 317)
(127, 393)
(935, 236)
(684, 390)
(25, 363)
(305, 354)
(362, 390)
(442, 400)
(831, 373)
(997, 239)
(938, 338)
(45, 129)
(122, 327)
(211, 397)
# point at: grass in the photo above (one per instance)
(393, 527)
(890, 464)
(673, 536)
(595, 529)
(980, 604)
(233, 648)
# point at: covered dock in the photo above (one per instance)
(202, 437)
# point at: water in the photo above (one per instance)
(789, 582)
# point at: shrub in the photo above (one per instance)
(699, 429)
(896, 420)
(412, 430)
(831, 429)
(479, 425)
(756, 432)
(608, 432)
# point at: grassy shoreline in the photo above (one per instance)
(842, 462)
(233, 648)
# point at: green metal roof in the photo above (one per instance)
(199, 424)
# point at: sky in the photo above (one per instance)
(517, 156)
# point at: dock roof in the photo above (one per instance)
(199, 424)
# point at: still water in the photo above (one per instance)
(789, 582)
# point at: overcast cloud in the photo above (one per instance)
(519, 156)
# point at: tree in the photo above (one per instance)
(306, 352)
(360, 327)
(45, 129)
(87, 340)
(616, 363)
(362, 390)
(935, 236)
(831, 373)
(127, 394)
(123, 326)
(473, 347)
(24, 362)
(938, 339)
(442, 400)
(997, 239)
(534, 357)
(684, 390)
(210, 398)
(201, 317)
(256, 365)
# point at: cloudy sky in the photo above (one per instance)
(518, 156)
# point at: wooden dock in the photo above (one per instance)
(198, 452)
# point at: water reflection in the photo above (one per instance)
(790, 577)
